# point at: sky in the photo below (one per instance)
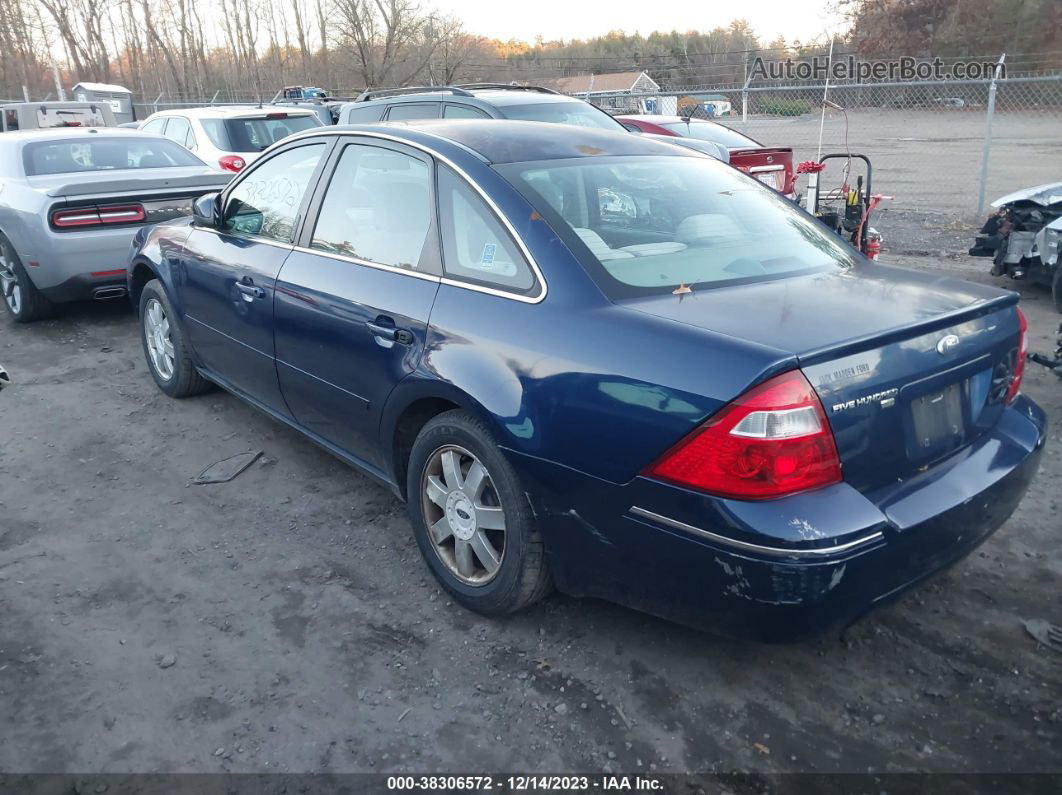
(805, 20)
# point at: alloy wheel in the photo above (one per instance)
(159, 342)
(463, 514)
(9, 286)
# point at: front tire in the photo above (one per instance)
(166, 348)
(471, 518)
(1056, 286)
(21, 298)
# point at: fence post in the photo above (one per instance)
(988, 136)
(745, 92)
(155, 104)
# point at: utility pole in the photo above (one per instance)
(58, 85)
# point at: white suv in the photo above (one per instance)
(229, 138)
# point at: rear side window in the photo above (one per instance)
(707, 131)
(476, 247)
(416, 110)
(377, 207)
(463, 112)
(180, 130)
(104, 154)
(266, 201)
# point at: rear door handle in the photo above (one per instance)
(399, 335)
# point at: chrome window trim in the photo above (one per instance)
(527, 299)
(431, 277)
(758, 548)
(242, 236)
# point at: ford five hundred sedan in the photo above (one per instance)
(593, 361)
(71, 200)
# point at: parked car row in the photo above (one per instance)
(586, 359)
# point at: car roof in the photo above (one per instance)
(65, 133)
(510, 141)
(493, 96)
(647, 117)
(230, 112)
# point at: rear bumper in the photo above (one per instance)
(64, 258)
(801, 566)
(86, 286)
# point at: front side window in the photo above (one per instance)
(377, 207)
(93, 153)
(11, 119)
(476, 247)
(654, 224)
(266, 201)
(155, 125)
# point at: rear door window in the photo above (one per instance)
(413, 110)
(378, 207)
(266, 201)
(180, 130)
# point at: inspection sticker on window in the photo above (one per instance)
(488, 254)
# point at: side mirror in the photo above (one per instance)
(5, 379)
(206, 210)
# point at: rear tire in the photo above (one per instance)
(21, 298)
(166, 348)
(471, 518)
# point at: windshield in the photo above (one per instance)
(256, 133)
(580, 114)
(104, 154)
(706, 131)
(646, 225)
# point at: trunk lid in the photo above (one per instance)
(773, 166)
(909, 366)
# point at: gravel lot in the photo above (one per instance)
(285, 622)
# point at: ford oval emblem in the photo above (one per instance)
(947, 343)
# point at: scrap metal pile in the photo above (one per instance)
(1023, 236)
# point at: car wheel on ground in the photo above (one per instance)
(21, 298)
(471, 520)
(166, 346)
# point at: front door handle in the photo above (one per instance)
(249, 291)
(391, 333)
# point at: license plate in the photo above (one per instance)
(937, 420)
(769, 178)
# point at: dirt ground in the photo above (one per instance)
(285, 622)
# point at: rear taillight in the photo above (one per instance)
(1019, 366)
(772, 441)
(94, 215)
(232, 163)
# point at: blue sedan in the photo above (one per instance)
(596, 362)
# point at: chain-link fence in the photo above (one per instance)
(946, 146)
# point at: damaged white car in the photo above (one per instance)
(1023, 237)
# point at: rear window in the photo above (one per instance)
(580, 114)
(70, 117)
(650, 225)
(706, 131)
(104, 154)
(256, 133)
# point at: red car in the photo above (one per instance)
(771, 165)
